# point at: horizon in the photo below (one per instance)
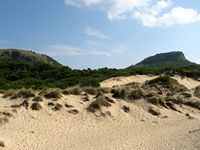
(96, 33)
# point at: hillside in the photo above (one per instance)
(171, 59)
(26, 55)
(27, 69)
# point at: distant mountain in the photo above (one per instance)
(169, 59)
(27, 55)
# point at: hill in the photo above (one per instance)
(170, 59)
(27, 69)
(26, 55)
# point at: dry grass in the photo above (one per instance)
(194, 104)
(90, 90)
(53, 94)
(2, 144)
(136, 94)
(197, 92)
(20, 94)
(119, 93)
(3, 120)
(37, 99)
(97, 104)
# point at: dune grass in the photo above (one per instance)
(98, 103)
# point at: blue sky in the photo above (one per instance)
(101, 33)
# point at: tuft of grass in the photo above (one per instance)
(36, 106)
(10, 93)
(97, 104)
(25, 94)
(154, 100)
(20, 94)
(186, 95)
(164, 84)
(3, 120)
(194, 104)
(154, 111)
(37, 99)
(105, 90)
(53, 94)
(90, 90)
(197, 92)
(2, 144)
(73, 91)
(6, 114)
(119, 93)
(166, 80)
(136, 94)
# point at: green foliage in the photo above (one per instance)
(17, 73)
(163, 80)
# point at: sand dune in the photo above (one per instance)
(116, 81)
(48, 129)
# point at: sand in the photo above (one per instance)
(116, 81)
(137, 130)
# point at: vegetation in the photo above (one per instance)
(36, 71)
(165, 59)
(97, 104)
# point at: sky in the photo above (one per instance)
(101, 33)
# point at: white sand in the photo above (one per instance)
(49, 130)
(137, 130)
(125, 80)
(188, 82)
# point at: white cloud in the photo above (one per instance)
(177, 15)
(95, 33)
(64, 50)
(68, 50)
(92, 48)
(151, 13)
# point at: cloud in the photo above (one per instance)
(89, 48)
(68, 50)
(177, 15)
(95, 33)
(151, 13)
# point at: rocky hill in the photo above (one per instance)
(169, 59)
(26, 55)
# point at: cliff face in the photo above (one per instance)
(164, 60)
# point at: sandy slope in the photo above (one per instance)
(188, 82)
(125, 80)
(50, 130)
